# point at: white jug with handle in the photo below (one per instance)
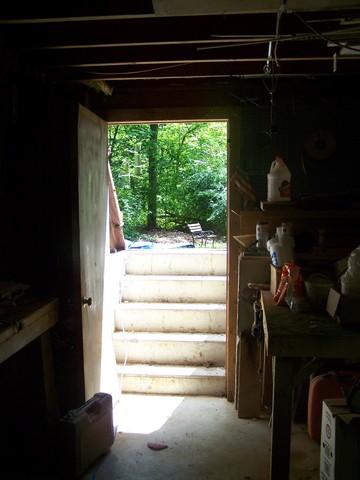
(279, 181)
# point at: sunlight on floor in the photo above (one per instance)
(145, 413)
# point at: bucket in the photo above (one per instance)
(279, 181)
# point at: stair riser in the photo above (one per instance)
(187, 291)
(172, 386)
(171, 353)
(153, 320)
(144, 263)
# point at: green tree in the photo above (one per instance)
(170, 175)
(152, 172)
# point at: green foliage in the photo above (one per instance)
(191, 174)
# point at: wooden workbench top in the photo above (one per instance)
(22, 324)
(292, 334)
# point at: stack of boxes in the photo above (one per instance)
(340, 442)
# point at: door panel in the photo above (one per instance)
(93, 198)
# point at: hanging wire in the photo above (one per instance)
(147, 70)
(269, 67)
(321, 35)
(280, 12)
(289, 38)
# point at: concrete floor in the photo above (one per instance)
(206, 441)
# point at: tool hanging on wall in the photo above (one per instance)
(318, 147)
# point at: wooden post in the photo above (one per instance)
(281, 418)
(51, 399)
(233, 202)
(248, 399)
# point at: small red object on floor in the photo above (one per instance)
(157, 446)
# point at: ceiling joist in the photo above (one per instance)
(138, 45)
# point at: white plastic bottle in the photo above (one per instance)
(282, 249)
(279, 179)
(270, 243)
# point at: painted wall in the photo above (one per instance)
(300, 111)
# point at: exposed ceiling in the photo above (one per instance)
(170, 40)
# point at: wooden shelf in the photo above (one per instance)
(276, 206)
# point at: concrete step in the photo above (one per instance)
(170, 348)
(174, 288)
(171, 317)
(187, 261)
(172, 380)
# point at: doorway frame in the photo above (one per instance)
(231, 115)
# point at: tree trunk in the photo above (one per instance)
(112, 141)
(152, 191)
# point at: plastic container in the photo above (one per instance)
(328, 385)
(278, 180)
(270, 243)
(317, 288)
(262, 234)
(282, 250)
(85, 434)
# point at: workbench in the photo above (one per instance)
(290, 338)
(23, 324)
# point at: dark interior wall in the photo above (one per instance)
(301, 109)
(38, 189)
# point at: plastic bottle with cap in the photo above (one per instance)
(282, 249)
(279, 177)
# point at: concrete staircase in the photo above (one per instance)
(170, 325)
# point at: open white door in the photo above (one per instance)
(93, 202)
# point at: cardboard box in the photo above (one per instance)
(343, 308)
(340, 442)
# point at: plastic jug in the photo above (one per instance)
(281, 247)
(282, 250)
(279, 181)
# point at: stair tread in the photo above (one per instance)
(194, 278)
(169, 337)
(171, 306)
(170, 370)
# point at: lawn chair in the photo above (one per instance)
(198, 234)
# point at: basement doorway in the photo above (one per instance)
(170, 325)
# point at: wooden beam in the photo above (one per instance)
(166, 54)
(205, 7)
(67, 11)
(156, 115)
(215, 71)
(143, 31)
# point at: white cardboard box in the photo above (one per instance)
(340, 442)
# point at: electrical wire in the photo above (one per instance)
(321, 35)
(277, 31)
(288, 38)
(148, 70)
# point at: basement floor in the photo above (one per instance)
(205, 439)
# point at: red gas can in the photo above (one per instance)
(328, 385)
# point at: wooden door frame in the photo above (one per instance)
(231, 115)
